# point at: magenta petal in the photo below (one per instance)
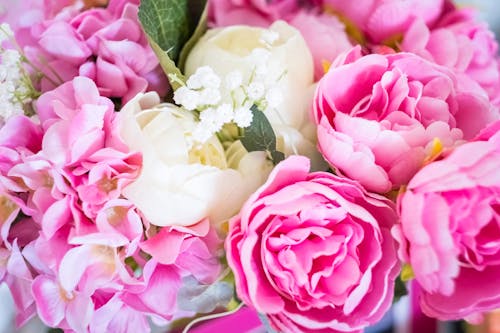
(165, 246)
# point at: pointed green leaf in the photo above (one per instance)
(167, 23)
(167, 65)
(259, 136)
(399, 289)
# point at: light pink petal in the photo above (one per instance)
(51, 307)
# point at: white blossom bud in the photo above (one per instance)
(225, 113)
(234, 80)
(256, 90)
(210, 96)
(243, 117)
(186, 97)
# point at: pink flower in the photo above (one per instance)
(59, 308)
(158, 294)
(21, 15)
(260, 13)
(192, 249)
(318, 31)
(14, 271)
(378, 116)
(450, 230)
(116, 316)
(105, 44)
(313, 251)
(462, 43)
(384, 20)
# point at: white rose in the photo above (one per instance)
(289, 63)
(178, 185)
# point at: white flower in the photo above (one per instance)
(243, 117)
(12, 87)
(256, 90)
(209, 96)
(204, 77)
(187, 98)
(284, 68)
(274, 97)
(225, 113)
(5, 32)
(179, 184)
(286, 64)
(269, 37)
(234, 80)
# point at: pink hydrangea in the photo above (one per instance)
(461, 42)
(106, 45)
(450, 231)
(79, 254)
(379, 116)
(313, 251)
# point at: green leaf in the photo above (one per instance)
(167, 65)
(167, 23)
(399, 289)
(259, 136)
(200, 29)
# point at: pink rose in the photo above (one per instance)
(462, 43)
(450, 231)
(383, 20)
(318, 31)
(313, 251)
(379, 115)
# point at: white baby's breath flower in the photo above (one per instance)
(14, 92)
(204, 77)
(256, 90)
(211, 81)
(234, 80)
(187, 98)
(243, 117)
(225, 113)
(194, 82)
(210, 96)
(5, 32)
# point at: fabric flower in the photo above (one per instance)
(178, 184)
(267, 62)
(106, 45)
(450, 231)
(461, 42)
(379, 116)
(379, 21)
(313, 251)
(317, 29)
(321, 30)
(260, 13)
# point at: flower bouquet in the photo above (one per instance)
(164, 162)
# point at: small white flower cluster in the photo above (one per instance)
(12, 86)
(229, 100)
